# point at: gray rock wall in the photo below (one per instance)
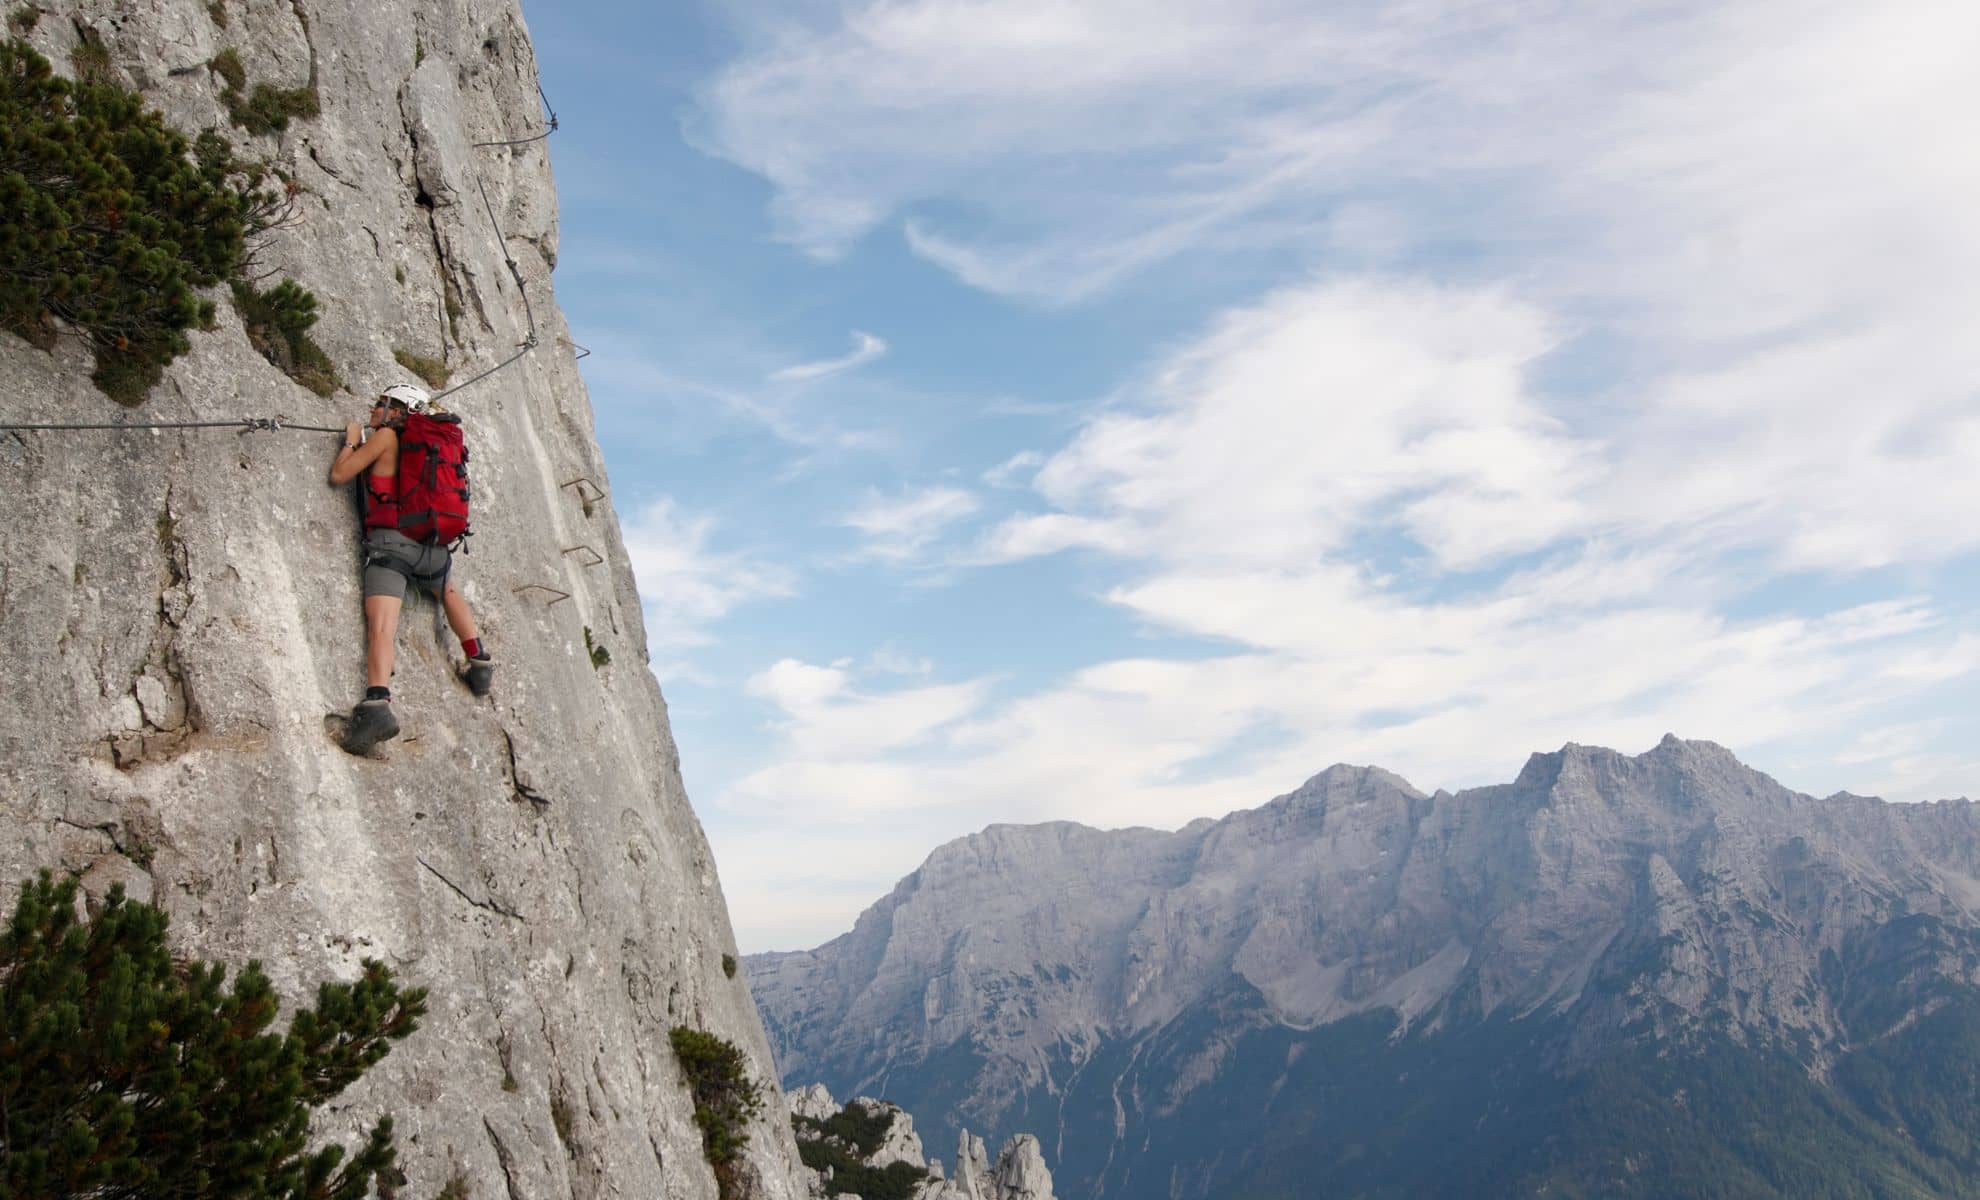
(180, 625)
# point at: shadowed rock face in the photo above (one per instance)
(180, 624)
(1611, 899)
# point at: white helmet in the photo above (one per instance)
(412, 398)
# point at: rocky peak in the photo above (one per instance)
(1019, 1173)
(1662, 891)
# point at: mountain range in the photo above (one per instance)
(1664, 975)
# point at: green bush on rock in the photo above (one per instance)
(725, 1101)
(277, 323)
(114, 220)
(842, 1142)
(125, 1073)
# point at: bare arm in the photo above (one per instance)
(350, 463)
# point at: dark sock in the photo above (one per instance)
(377, 693)
(471, 647)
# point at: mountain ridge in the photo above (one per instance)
(1663, 899)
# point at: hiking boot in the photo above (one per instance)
(479, 674)
(372, 722)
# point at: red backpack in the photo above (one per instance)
(433, 487)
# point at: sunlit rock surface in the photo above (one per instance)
(180, 619)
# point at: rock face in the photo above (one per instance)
(1098, 986)
(1020, 1172)
(180, 619)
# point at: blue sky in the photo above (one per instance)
(1119, 412)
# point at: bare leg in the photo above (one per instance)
(458, 614)
(381, 637)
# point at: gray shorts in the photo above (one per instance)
(392, 561)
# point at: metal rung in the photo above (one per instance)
(587, 492)
(581, 483)
(593, 561)
(542, 587)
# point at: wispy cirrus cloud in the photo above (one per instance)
(686, 584)
(623, 371)
(1014, 470)
(865, 349)
(898, 528)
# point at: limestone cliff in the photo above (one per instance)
(179, 613)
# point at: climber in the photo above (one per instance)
(403, 547)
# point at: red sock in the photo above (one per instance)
(471, 647)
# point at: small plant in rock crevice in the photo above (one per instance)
(89, 56)
(267, 108)
(433, 371)
(560, 1120)
(227, 65)
(278, 322)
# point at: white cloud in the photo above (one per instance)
(1068, 144)
(1765, 202)
(1296, 422)
(1014, 470)
(685, 586)
(795, 686)
(865, 349)
(892, 660)
(899, 528)
(826, 721)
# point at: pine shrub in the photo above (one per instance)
(125, 1074)
(725, 1100)
(114, 220)
(278, 322)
